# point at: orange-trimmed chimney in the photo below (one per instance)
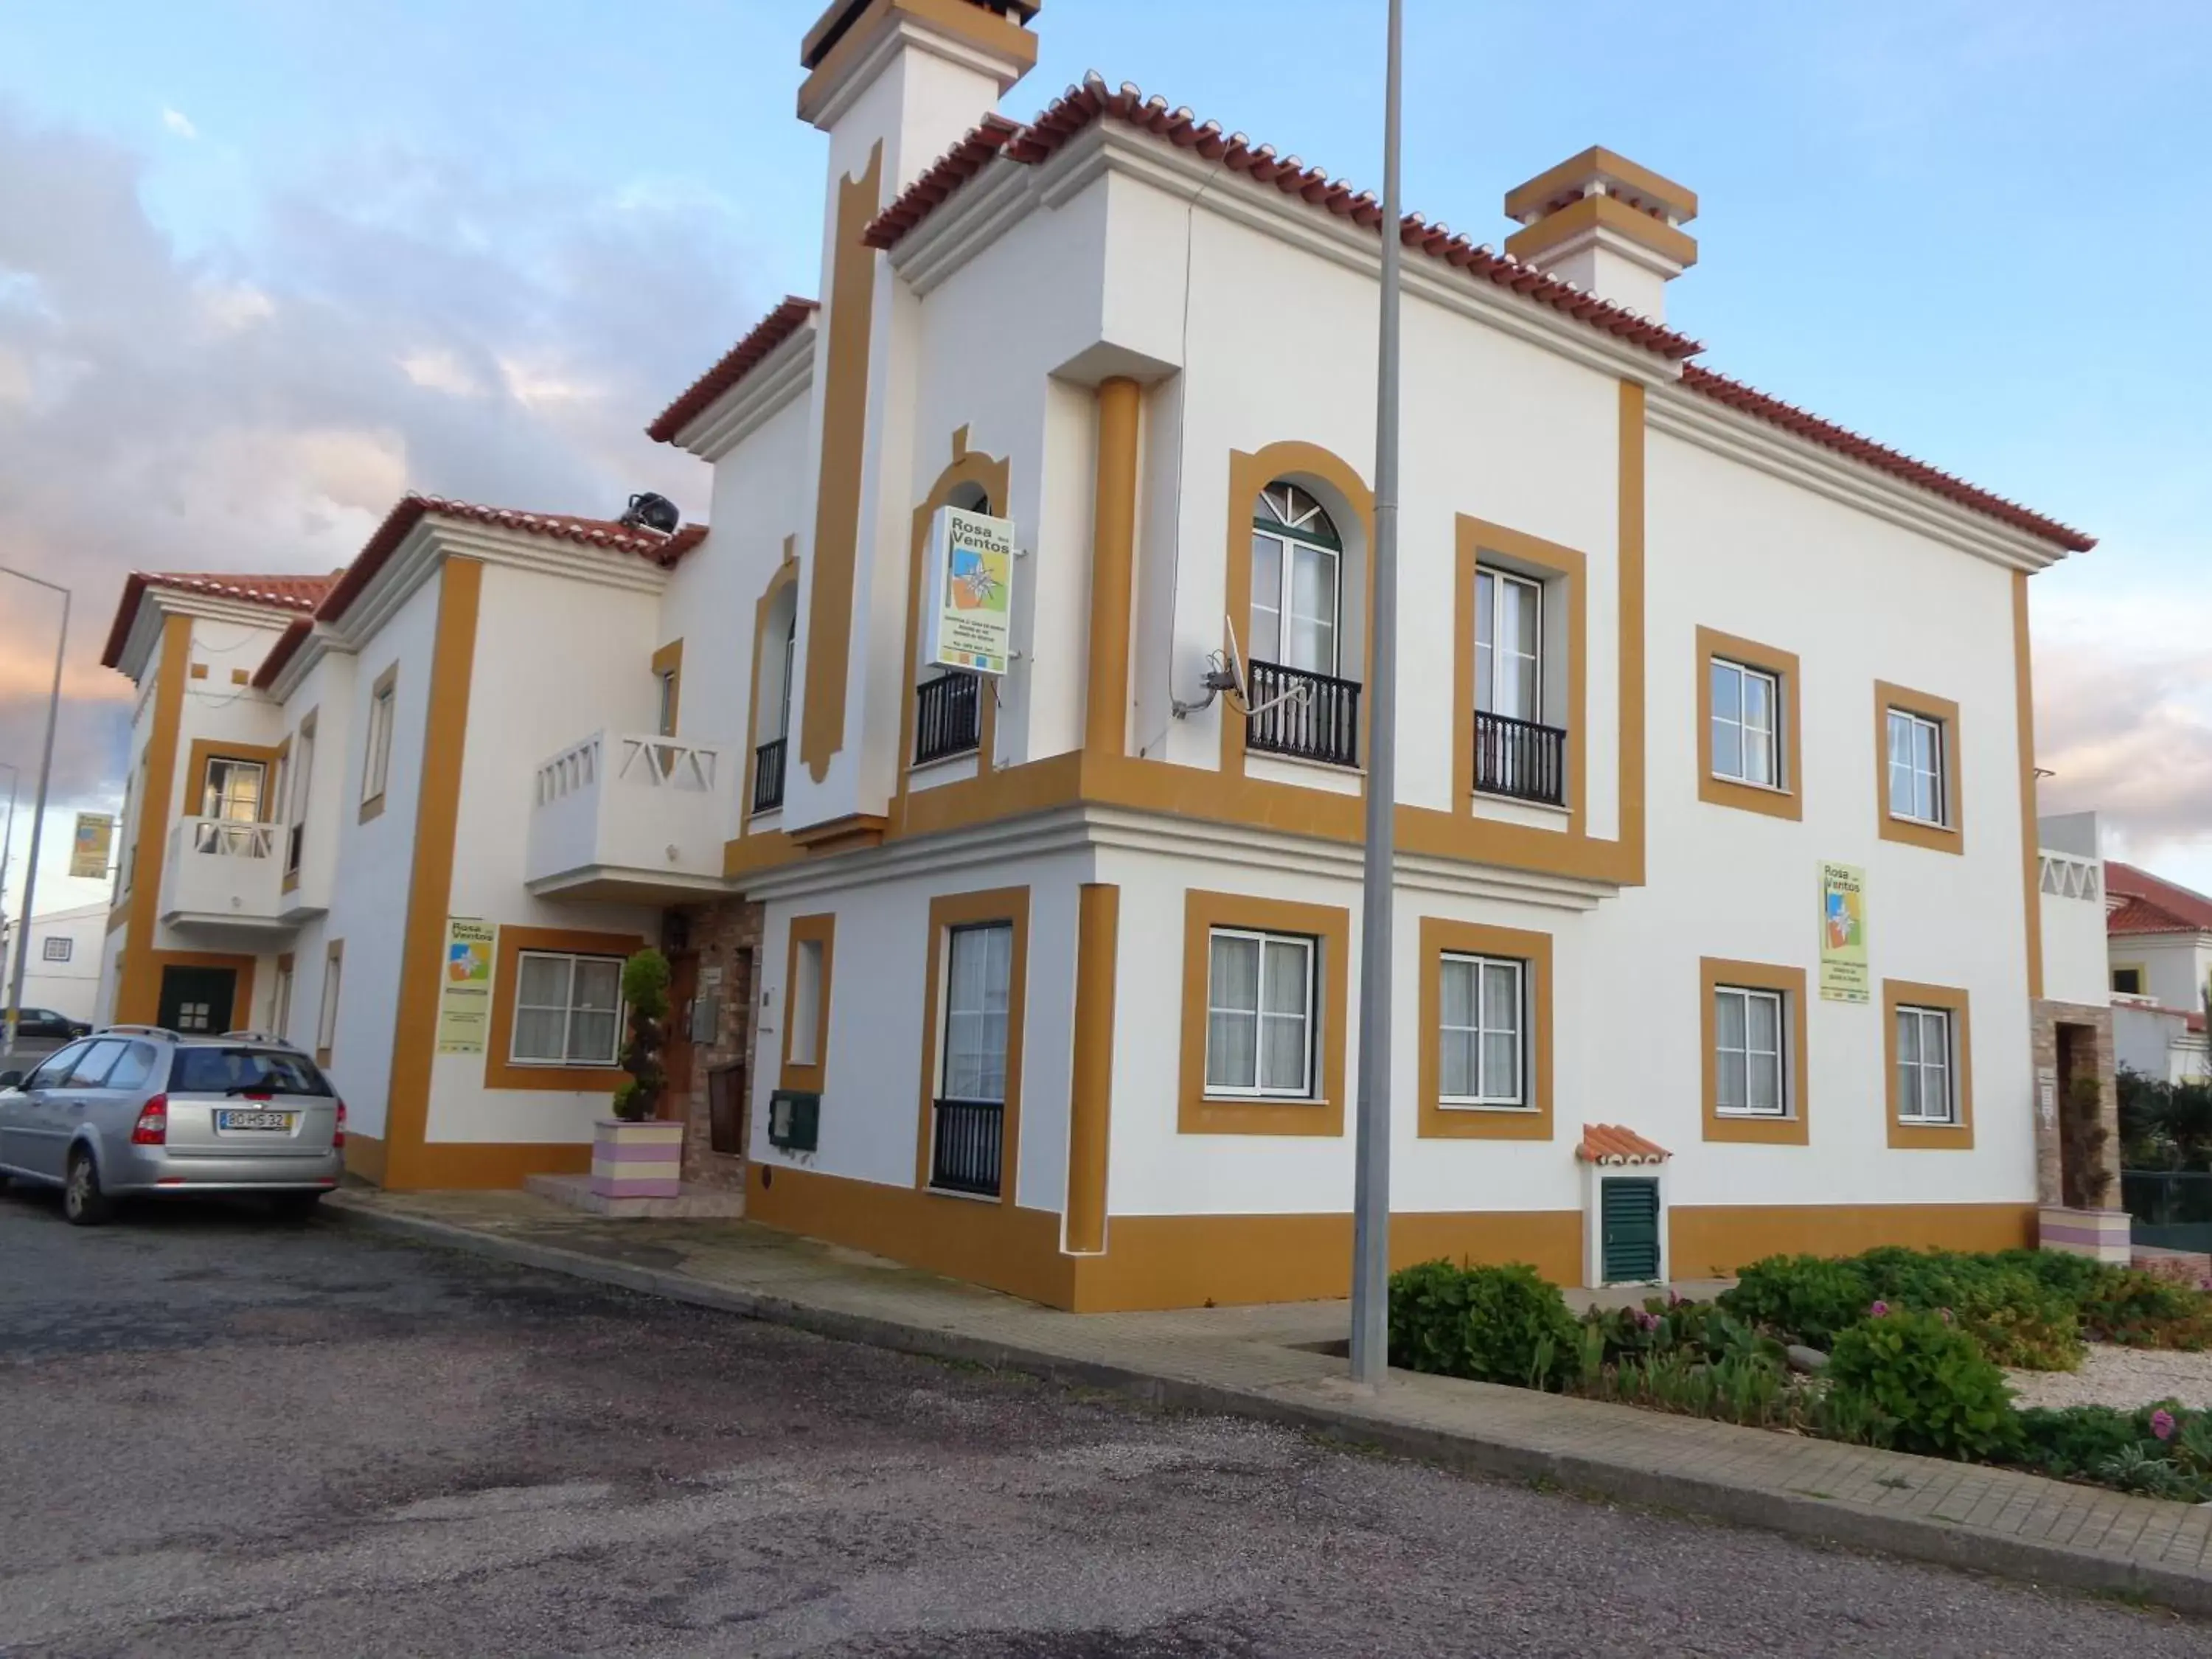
(1607, 225)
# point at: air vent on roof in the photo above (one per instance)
(652, 512)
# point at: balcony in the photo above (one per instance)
(640, 819)
(220, 873)
(966, 1148)
(948, 717)
(1302, 716)
(768, 777)
(1520, 760)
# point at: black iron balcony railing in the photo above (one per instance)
(767, 775)
(1520, 758)
(948, 714)
(964, 1151)
(1313, 717)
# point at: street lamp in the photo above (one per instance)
(37, 811)
(1370, 1179)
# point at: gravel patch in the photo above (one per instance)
(2125, 1377)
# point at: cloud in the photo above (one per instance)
(2123, 717)
(179, 124)
(400, 323)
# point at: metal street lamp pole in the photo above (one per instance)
(1370, 1200)
(38, 813)
(8, 842)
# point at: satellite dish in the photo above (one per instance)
(1232, 662)
(652, 512)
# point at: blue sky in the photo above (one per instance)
(491, 237)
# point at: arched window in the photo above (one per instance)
(1298, 582)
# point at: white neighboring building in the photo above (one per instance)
(63, 970)
(2159, 946)
(1045, 980)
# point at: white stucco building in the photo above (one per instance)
(1044, 979)
(62, 970)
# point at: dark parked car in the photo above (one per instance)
(45, 1022)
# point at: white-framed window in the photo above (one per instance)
(664, 712)
(295, 813)
(1481, 1012)
(280, 1006)
(233, 790)
(1260, 990)
(979, 972)
(1749, 1077)
(1915, 768)
(1509, 645)
(790, 656)
(327, 1016)
(376, 759)
(57, 948)
(568, 1009)
(1925, 1093)
(1298, 582)
(1746, 724)
(804, 1044)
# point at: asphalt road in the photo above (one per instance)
(222, 1433)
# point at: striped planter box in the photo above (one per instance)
(2102, 1234)
(637, 1160)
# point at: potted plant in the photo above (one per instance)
(2081, 1224)
(634, 1153)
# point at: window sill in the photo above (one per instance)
(1756, 1128)
(1558, 809)
(1212, 1099)
(372, 808)
(935, 1191)
(1727, 782)
(936, 762)
(1498, 1108)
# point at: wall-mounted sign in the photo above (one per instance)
(95, 840)
(971, 590)
(1843, 932)
(465, 986)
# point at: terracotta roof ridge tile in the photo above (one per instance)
(1609, 1143)
(1092, 100)
(1803, 423)
(791, 313)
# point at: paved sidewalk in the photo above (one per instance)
(1274, 1363)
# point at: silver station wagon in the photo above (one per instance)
(138, 1111)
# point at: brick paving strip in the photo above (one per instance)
(1270, 1362)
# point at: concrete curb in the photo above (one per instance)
(2024, 1560)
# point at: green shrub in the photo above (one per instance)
(1807, 1297)
(2071, 1442)
(2075, 1278)
(1491, 1324)
(2144, 1311)
(2019, 1319)
(1943, 1392)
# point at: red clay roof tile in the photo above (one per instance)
(1608, 1143)
(2153, 905)
(1092, 101)
(739, 361)
(281, 593)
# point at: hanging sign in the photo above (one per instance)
(971, 590)
(95, 840)
(1843, 932)
(465, 986)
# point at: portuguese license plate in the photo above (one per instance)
(239, 1118)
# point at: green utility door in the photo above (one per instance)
(1628, 1224)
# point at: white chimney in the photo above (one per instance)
(1606, 225)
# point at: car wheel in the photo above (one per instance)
(83, 1204)
(294, 1206)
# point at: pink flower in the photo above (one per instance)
(1879, 1311)
(1946, 1312)
(2161, 1424)
(1647, 1320)
(1673, 1299)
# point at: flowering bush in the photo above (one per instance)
(2163, 1451)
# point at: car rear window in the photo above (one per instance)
(211, 1071)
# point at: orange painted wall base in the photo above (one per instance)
(455, 1165)
(1194, 1261)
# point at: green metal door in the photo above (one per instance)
(1628, 1222)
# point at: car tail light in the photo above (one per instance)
(338, 1134)
(152, 1129)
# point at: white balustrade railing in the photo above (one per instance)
(620, 801)
(223, 871)
(2067, 875)
(231, 838)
